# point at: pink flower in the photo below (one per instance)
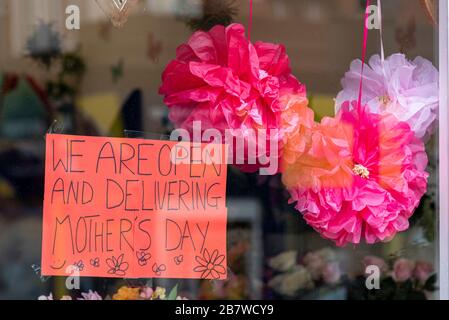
(331, 273)
(147, 293)
(407, 89)
(91, 295)
(403, 270)
(223, 80)
(360, 177)
(423, 270)
(375, 261)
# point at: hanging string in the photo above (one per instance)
(379, 10)
(365, 43)
(250, 24)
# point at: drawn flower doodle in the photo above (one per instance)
(143, 257)
(210, 266)
(117, 265)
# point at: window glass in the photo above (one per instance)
(102, 78)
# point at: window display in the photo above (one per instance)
(223, 150)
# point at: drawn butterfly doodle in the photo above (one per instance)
(142, 258)
(179, 259)
(159, 269)
(95, 262)
(79, 265)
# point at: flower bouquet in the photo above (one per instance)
(125, 293)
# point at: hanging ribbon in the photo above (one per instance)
(365, 43)
(379, 10)
(250, 24)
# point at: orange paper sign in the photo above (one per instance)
(133, 208)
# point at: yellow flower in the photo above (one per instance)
(127, 293)
(159, 293)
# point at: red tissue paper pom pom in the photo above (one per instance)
(227, 83)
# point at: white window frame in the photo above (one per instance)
(444, 151)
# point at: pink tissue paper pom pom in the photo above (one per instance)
(404, 88)
(360, 176)
(223, 80)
